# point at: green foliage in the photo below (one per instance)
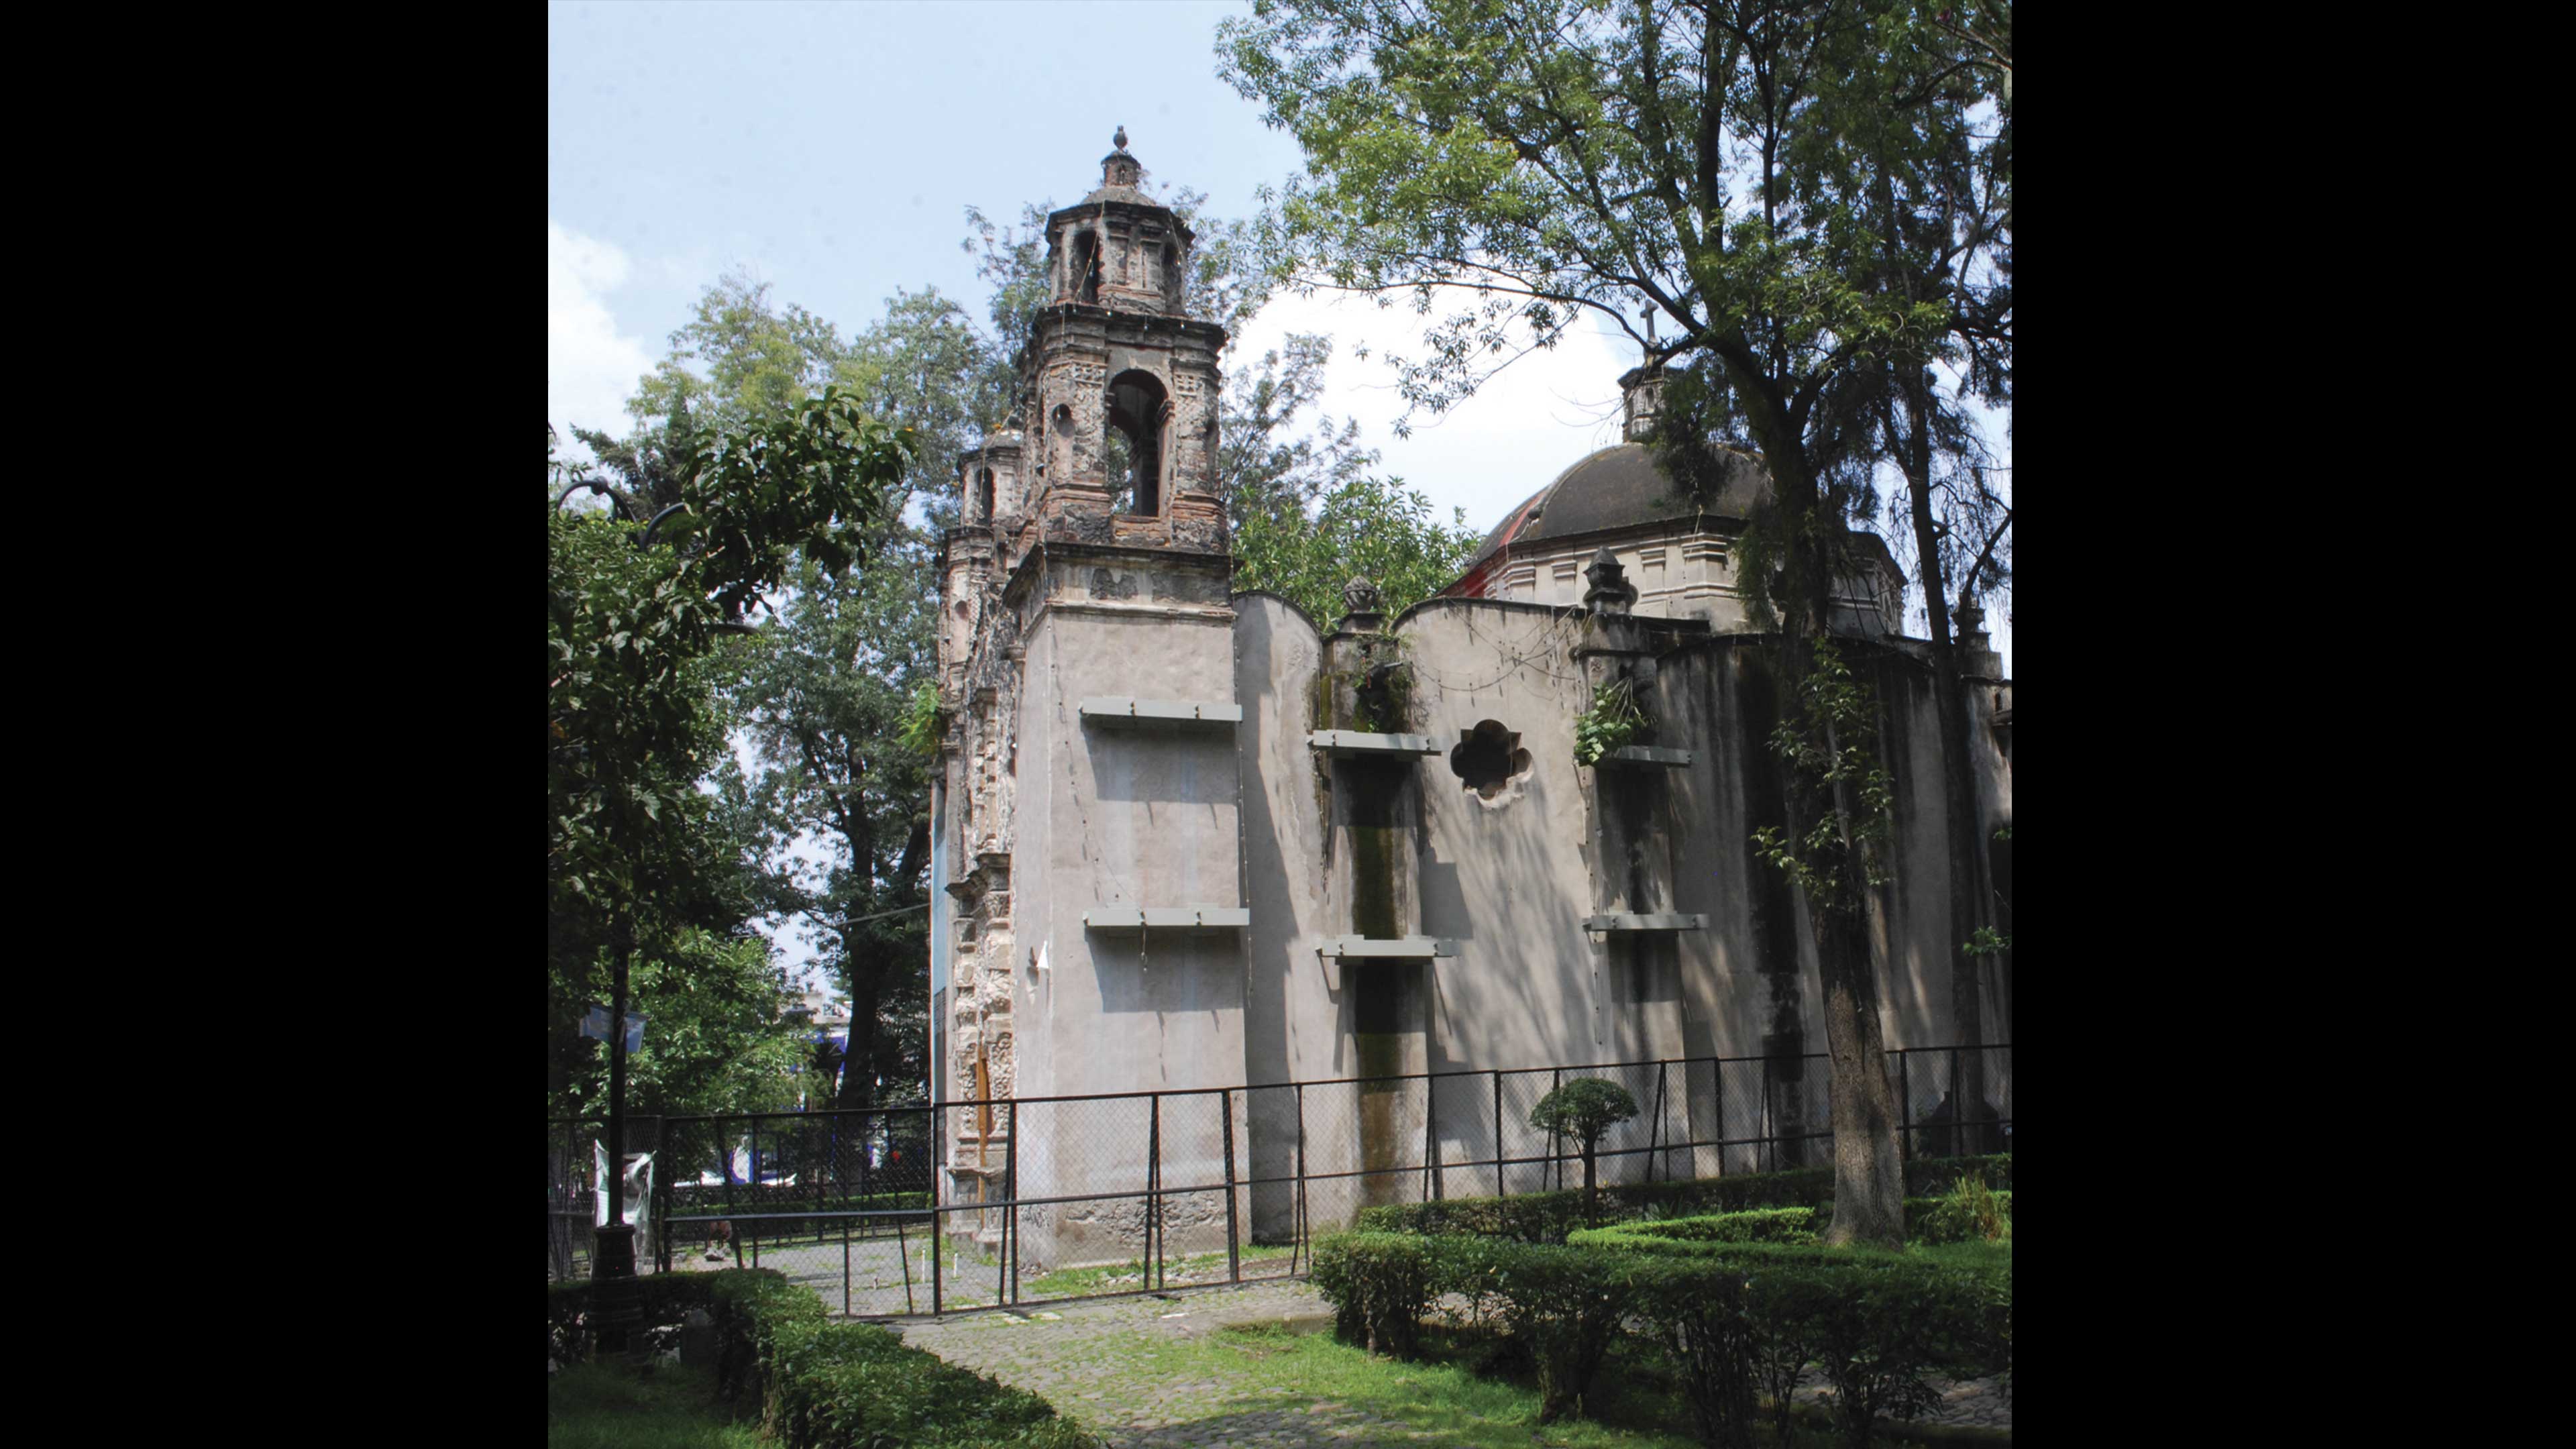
(1613, 721)
(1361, 526)
(1733, 1315)
(1564, 1303)
(1583, 1109)
(637, 854)
(623, 624)
(1986, 941)
(719, 1035)
(666, 1298)
(1548, 1217)
(613, 1404)
(1753, 1225)
(921, 722)
(821, 1383)
(1380, 1285)
(1829, 741)
(1969, 1211)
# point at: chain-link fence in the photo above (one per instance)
(575, 1148)
(898, 1210)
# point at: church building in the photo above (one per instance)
(1185, 837)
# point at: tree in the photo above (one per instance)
(630, 723)
(822, 695)
(1537, 159)
(825, 696)
(1583, 1109)
(1364, 525)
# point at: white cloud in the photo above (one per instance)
(1525, 426)
(591, 367)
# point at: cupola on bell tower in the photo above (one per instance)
(1121, 391)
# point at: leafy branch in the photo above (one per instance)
(1614, 720)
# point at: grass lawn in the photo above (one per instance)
(1450, 1395)
(614, 1405)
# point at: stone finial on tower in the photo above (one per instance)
(1119, 168)
(1362, 607)
(1977, 656)
(1610, 591)
(1641, 397)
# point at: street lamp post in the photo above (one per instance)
(616, 1294)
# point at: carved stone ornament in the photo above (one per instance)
(1359, 596)
(1611, 593)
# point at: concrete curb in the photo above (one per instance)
(1817, 1415)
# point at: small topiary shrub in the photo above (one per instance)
(1583, 1109)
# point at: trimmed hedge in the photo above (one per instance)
(1379, 1285)
(1757, 1225)
(666, 1298)
(821, 1383)
(1547, 1217)
(1737, 1303)
(826, 1385)
(1928, 1220)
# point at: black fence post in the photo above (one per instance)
(1655, 1129)
(1905, 1090)
(1498, 1135)
(1154, 1191)
(1011, 1191)
(1233, 1249)
(1555, 1143)
(936, 1238)
(661, 1196)
(1430, 1138)
(1717, 1074)
(1297, 1243)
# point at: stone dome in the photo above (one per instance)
(1620, 487)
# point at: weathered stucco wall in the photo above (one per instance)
(1135, 816)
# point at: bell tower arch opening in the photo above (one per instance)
(1132, 444)
(1084, 283)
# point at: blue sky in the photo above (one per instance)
(831, 150)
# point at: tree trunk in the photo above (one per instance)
(1958, 781)
(1869, 1172)
(1869, 1176)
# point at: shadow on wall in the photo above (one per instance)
(1157, 768)
(1166, 971)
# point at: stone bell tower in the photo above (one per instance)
(1088, 837)
(1121, 388)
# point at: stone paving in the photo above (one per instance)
(1094, 1362)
